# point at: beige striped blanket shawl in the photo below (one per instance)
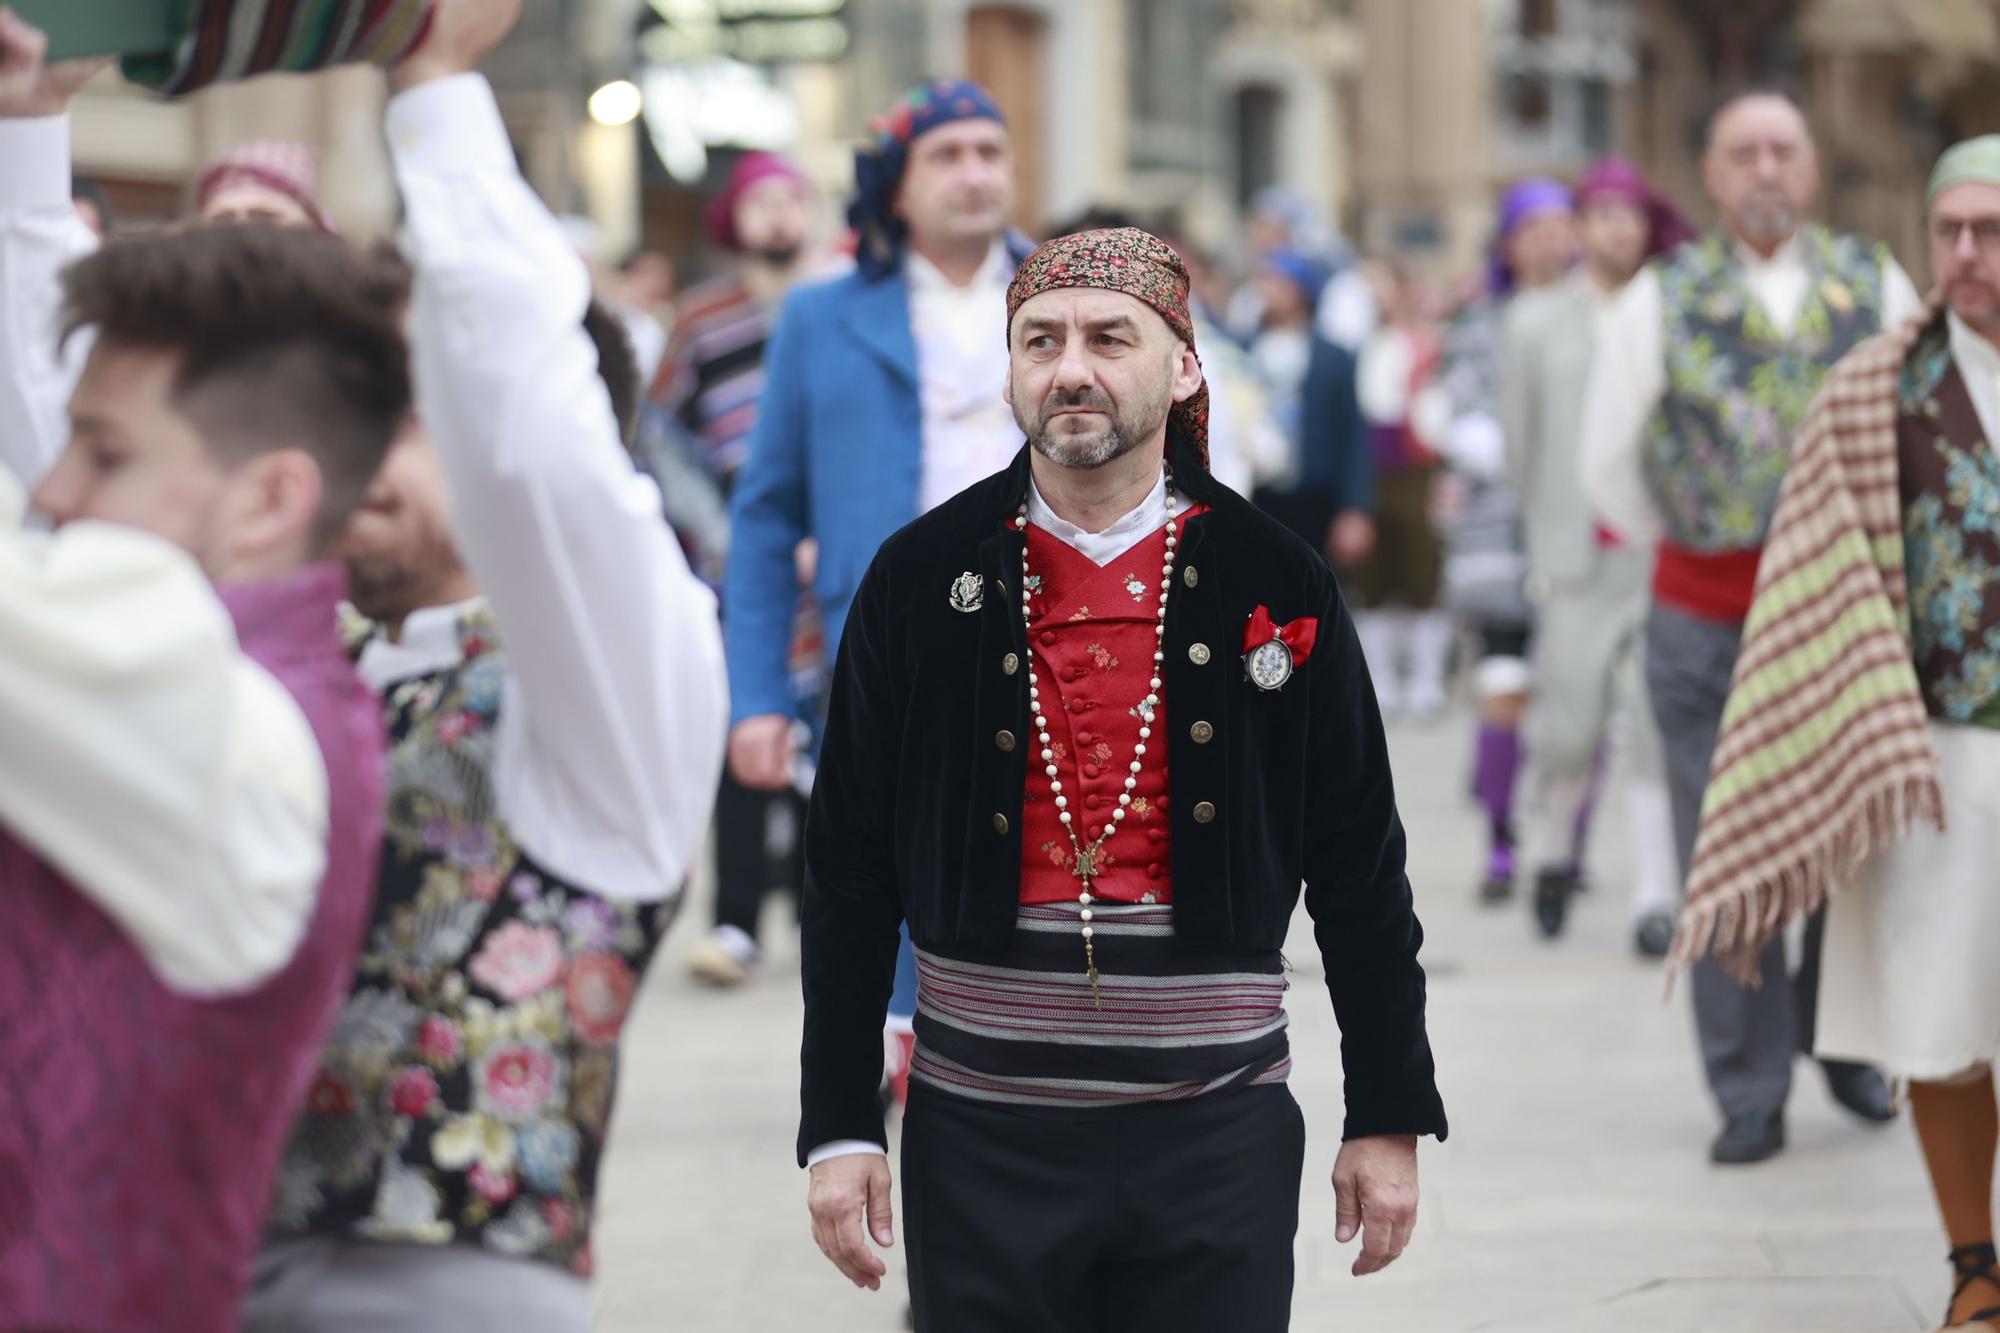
(1825, 754)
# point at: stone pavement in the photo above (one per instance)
(1574, 1195)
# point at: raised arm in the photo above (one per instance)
(612, 734)
(40, 234)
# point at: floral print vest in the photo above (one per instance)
(467, 1088)
(1737, 388)
(1950, 482)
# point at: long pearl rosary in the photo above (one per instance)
(1086, 864)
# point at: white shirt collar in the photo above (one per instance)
(1972, 351)
(1787, 256)
(1101, 548)
(924, 276)
(429, 643)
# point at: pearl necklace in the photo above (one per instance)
(1086, 863)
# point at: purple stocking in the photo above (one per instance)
(1496, 765)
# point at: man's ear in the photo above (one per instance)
(1188, 375)
(278, 504)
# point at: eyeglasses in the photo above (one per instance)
(1985, 233)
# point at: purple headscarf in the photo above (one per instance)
(1524, 199)
(1615, 179)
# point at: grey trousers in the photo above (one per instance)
(1748, 1037)
(329, 1284)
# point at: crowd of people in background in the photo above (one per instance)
(1555, 488)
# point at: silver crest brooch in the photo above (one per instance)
(1269, 665)
(968, 592)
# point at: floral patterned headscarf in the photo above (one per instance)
(1125, 260)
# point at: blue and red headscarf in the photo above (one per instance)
(879, 166)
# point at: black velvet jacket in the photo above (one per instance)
(916, 810)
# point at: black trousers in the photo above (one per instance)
(1170, 1218)
(747, 865)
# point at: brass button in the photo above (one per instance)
(1198, 654)
(1204, 813)
(999, 823)
(1202, 732)
(1190, 576)
(1005, 740)
(1010, 663)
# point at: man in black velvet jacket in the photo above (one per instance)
(1098, 1135)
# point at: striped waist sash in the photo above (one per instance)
(1023, 1029)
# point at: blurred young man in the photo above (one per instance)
(1089, 722)
(1704, 370)
(190, 787)
(552, 676)
(883, 397)
(1588, 590)
(1873, 652)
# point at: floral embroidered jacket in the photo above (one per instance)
(467, 1089)
(1738, 389)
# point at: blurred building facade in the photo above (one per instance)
(1887, 85)
(1402, 119)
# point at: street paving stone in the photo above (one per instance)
(1574, 1195)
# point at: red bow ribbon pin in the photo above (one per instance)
(1299, 635)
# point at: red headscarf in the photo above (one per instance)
(1126, 260)
(751, 168)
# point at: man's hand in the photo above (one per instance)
(29, 86)
(761, 752)
(463, 33)
(1351, 539)
(1375, 1193)
(843, 1190)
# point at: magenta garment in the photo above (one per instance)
(140, 1128)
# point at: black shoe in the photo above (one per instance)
(1653, 937)
(1748, 1138)
(1861, 1089)
(1970, 1264)
(1495, 889)
(1553, 890)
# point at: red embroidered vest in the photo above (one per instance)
(1093, 633)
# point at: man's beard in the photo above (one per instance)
(383, 588)
(1088, 453)
(779, 256)
(1769, 218)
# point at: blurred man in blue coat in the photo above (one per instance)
(883, 398)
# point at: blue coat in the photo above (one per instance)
(835, 456)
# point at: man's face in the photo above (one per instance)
(1965, 253)
(248, 201)
(1615, 236)
(1542, 247)
(398, 546)
(1761, 170)
(135, 459)
(1093, 375)
(959, 184)
(773, 218)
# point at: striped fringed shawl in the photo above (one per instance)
(1825, 754)
(224, 41)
